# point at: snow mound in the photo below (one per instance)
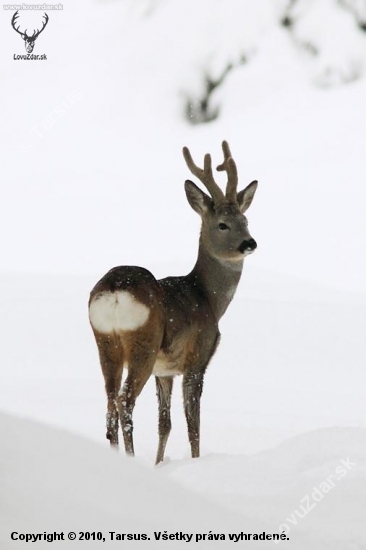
(51, 481)
(312, 484)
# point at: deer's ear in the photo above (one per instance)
(199, 201)
(246, 196)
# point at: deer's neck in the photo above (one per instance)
(218, 278)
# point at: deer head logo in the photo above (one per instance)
(28, 40)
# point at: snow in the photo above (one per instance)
(94, 490)
(93, 177)
(66, 483)
(57, 482)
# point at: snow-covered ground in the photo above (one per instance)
(53, 482)
(92, 176)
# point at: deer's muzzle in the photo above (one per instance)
(248, 246)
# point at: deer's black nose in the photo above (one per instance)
(248, 246)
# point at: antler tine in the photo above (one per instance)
(14, 20)
(232, 174)
(204, 175)
(227, 154)
(44, 23)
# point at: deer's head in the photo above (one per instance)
(224, 231)
(28, 40)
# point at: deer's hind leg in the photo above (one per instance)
(111, 360)
(143, 348)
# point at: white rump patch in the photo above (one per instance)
(116, 311)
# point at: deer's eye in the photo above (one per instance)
(223, 226)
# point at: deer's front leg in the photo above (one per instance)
(164, 386)
(192, 391)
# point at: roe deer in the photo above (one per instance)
(169, 326)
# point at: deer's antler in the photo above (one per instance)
(13, 21)
(35, 35)
(204, 175)
(232, 174)
(24, 35)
